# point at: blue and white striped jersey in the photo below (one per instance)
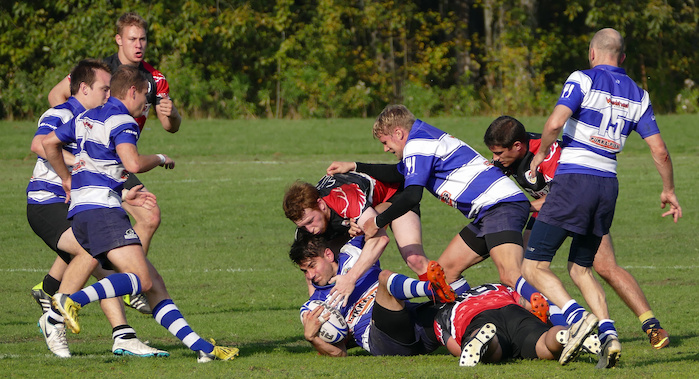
(607, 105)
(360, 304)
(98, 174)
(45, 186)
(454, 172)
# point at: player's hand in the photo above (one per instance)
(138, 197)
(344, 285)
(370, 228)
(354, 229)
(169, 163)
(312, 321)
(66, 187)
(536, 161)
(164, 107)
(667, 197)
(340, 168)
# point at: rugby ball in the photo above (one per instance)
(335, 329)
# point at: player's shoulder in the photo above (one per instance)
(157, 75)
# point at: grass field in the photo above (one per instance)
(222, 249)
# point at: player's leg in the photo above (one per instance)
(146, 221)
(167, 314)
(548, 346)
(464, 251)
(407, 231)
(630, 292)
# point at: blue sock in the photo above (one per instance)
(606, 329)
(556, 315)
(112, 286)
(525, 289)
(167, 315)
(460, 286)
(404, 288)
(573, 312)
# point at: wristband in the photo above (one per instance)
(162, 158)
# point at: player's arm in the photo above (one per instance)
(387, 173)
(537, 203)
(136, 163)
(552, 128)
(371, 252)
(663, 164)
(37, 148)
(168, 115)
(53, 149)
(311, 327)
(407, 200)
(60, 93)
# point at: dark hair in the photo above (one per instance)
(124, 78)
(505, 131)
(307, 246)
(84, 72)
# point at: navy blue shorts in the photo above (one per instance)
(582, 204)
(509, 216)
(101, 230)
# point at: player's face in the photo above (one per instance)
(132, 45)
(313, 221)
(138, 105)
(99, 92)
(506, 156)
(318, 270)
(392, 143)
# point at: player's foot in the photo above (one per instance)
(138, 302)
(576, 335)
(591, 344)
(611, 352)
(55, 336)
(441, 289)
(540, 307)
(69, 309)
(134, 347)
(220, 352)
(658, 338)
(475, 348)
(41, 297)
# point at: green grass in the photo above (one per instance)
(222, 249)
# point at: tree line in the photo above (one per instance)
(349, 58)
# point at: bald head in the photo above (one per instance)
(607, 47)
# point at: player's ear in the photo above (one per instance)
(117, 39)
(329, 255)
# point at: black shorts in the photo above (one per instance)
(49, 221)
(414, 323)
(131, 182)
(518, 330)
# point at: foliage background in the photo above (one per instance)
(349, 58)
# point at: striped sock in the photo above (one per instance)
(403, 287)
(606, 329)
(460, 286)
(124, 332)
(573, 312)
(525, 289)
(167, 315)
(112, 286)
(556, 315)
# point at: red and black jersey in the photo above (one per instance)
(348, 196)
(158, 87)
(453, 319)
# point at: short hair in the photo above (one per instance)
(126, 77)
(307, 246)
(505, 131)
(391, 117)
(85, 72)
(130, 19)
(610, 41)
(298, 197)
